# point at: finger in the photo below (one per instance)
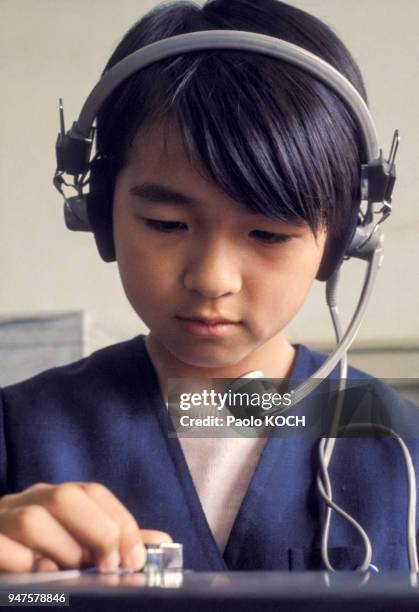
(43, 564)
(150, 536)
(131, 548)
(34, 527)
(88, 521)
(31, 495)
(14, 557)
(85, 520)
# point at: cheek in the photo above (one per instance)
(147, 281)
(278, 304)
(147, 278)
(279, 294)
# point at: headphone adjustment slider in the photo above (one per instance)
(72, 149)
(379, 176)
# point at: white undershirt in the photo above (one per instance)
(221, 469)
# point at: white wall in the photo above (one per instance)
(51, 48)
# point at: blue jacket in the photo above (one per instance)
(103, 419)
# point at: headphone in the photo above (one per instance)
(92, 210)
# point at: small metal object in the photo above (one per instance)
(154, 562)
(161, 557)
(172, 555)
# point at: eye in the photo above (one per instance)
(169, 227)
(165, 226)
(271, 238)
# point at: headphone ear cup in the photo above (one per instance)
(99, 209)
(337, 247)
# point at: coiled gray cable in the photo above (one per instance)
(327, 445)
(411, 514)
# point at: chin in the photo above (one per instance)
(208, 357)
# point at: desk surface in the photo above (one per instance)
(232, 591)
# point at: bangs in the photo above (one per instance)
(268, 147)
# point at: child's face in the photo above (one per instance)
(220, 261)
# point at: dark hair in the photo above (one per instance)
(270, 135)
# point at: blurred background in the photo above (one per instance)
(59, 301)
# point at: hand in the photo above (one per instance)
(72, 525)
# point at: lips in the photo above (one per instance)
(208, 320)
(210, 328)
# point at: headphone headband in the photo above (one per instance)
(230, 40)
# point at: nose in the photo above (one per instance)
(213, 270)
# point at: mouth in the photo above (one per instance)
(211, 328)
(214, 320)
(210, 321)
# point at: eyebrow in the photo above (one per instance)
(159, 194)
(156, 193)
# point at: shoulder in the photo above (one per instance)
(102, 368)
(376, 399)
(308, 362)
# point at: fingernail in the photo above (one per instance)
(137, 556)
(110, 563)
